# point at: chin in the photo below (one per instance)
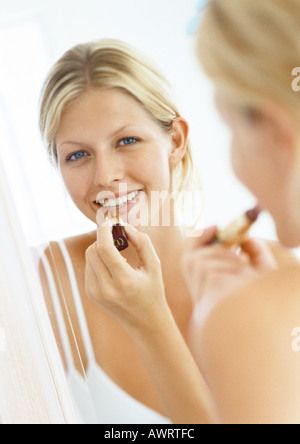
(289, 236)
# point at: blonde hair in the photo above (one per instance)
(250, 48)
(108, 64)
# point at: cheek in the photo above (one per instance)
(246, 159)
(153, 168)
(251, 164)
(162, 174)
(241, 162)
(76, 185)
(250, 171)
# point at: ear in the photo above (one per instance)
(180, 134)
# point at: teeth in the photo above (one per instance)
(111, 203)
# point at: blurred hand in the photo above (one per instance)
(212, 270)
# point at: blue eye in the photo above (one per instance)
(76, 156)
(128, 141)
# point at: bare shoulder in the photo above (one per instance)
(56, 284)
(245, 350)
(273, 297)
(76, 246)
(280, 288)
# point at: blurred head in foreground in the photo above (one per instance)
(251, 50)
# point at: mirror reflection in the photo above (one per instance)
(129, 162)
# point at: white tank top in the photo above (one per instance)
(97, 399)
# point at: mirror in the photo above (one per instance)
(33, 35)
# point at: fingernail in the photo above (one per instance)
(130, 227)
(107, 223)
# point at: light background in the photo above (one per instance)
(35, 33)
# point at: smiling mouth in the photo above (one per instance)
(119, 202)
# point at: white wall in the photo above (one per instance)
(34, 33)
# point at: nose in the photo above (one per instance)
(108, 168)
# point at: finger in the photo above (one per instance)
(205, 260)
(229, 281)
(282, 255)
(201, 257)
(192, 270)
(95, 262)
(218, 277)
(99, 285)
(141, 242)
(91, 281)
(114, 261)
(207, 236)
(259, 253)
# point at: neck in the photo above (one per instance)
(169, 244)
(164, 231)
(168, 241)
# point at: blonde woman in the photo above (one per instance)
(108, 122)
(246, 343)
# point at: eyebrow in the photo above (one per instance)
(86, 145)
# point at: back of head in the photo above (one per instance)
(250, 48)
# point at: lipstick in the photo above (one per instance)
(237, 231)
(118, 232)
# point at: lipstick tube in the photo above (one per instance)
(118, 232)
(119, 237)
(237, 231)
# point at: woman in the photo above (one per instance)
(244, 337)
(111, 128)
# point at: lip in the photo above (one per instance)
(102, 196)
(125, 207)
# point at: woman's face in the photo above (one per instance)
(261, 159)
(105, 139)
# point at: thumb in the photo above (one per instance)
(259, 253)
(206, 238)
(149, 260)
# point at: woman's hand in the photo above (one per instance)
(136, 297)
(214, 270)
